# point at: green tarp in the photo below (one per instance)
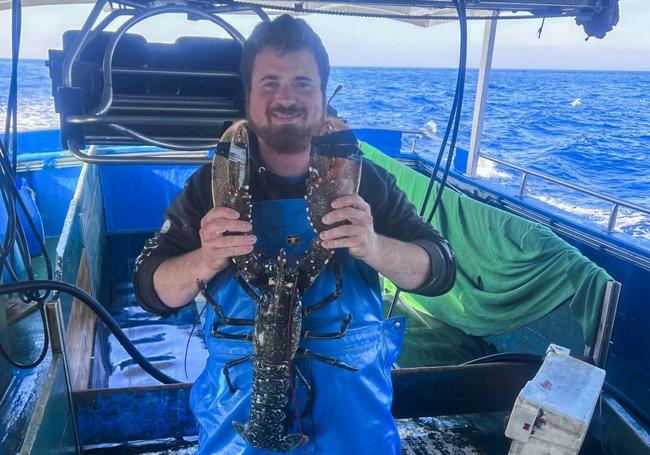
(511, 271)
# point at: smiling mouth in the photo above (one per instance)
(286, 115)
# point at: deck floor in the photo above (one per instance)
(174, 345)
(458, 435)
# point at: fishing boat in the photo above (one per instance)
(137, 118)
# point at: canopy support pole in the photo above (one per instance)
(481, 94)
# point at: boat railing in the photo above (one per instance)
(617, 202)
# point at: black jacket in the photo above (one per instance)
(394, 216)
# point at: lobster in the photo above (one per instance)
(334, 171)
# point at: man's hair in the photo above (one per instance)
(284, 34)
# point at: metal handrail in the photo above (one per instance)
(155, 72)
(618, 203)
(107, 91)
(133, 158)
(611, 224)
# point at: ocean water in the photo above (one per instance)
(591, 128)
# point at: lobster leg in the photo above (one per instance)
(328, 360)
(345, 323)
(229, 365)
(246, 287)
(336, 271)
(215, 332)
(305, 384)
(219, 311)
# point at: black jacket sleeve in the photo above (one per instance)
(178, 235)
(395, 217)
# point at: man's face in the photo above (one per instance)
(285, 105)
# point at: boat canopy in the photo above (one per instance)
(423, 13)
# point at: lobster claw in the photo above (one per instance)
(230, 174)
(230, 188)
(282, 444)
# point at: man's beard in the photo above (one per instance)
(285, 139)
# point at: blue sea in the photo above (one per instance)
(591, 128)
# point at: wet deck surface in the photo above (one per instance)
(26, 336)
(460, 435)
(174, 345)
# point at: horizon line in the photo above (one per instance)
(505, 68)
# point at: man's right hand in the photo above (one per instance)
(224, 235)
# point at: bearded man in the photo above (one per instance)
(285, 69)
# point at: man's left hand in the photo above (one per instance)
(358, 235)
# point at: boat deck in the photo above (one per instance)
(458, 435)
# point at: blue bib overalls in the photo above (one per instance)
(348, 412)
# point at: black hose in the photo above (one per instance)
(41, 356)
(462, 69)
(452, 128)
(100, 311)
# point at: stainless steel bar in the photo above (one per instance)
(154, 72)
(415, 141)
(573, 186)
(121, 140)
(168, 100)
(611, 224)
(163, 144)
(135, 159)
(482, 89)
(73, 52)
(107, 91)
(144, 120)
(189, 110)
(522, 186)
(606, 323)
(573, 6)
(382, 128)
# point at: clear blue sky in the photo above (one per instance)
(380, 42)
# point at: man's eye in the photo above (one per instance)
(303, 84)
(270, 86)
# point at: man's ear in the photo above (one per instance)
(247, 98)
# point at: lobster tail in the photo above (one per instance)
(280, 444)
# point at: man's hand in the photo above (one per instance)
(406, 264)
(175, 280)
(216, 245)
(358, 235)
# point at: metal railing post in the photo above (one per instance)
(481, 94)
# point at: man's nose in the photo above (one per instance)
(285, 96)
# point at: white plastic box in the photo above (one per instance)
(552, 412)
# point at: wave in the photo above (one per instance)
(431, 129)
(488, 170)
(629, 222)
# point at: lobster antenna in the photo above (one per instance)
(336, 92)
